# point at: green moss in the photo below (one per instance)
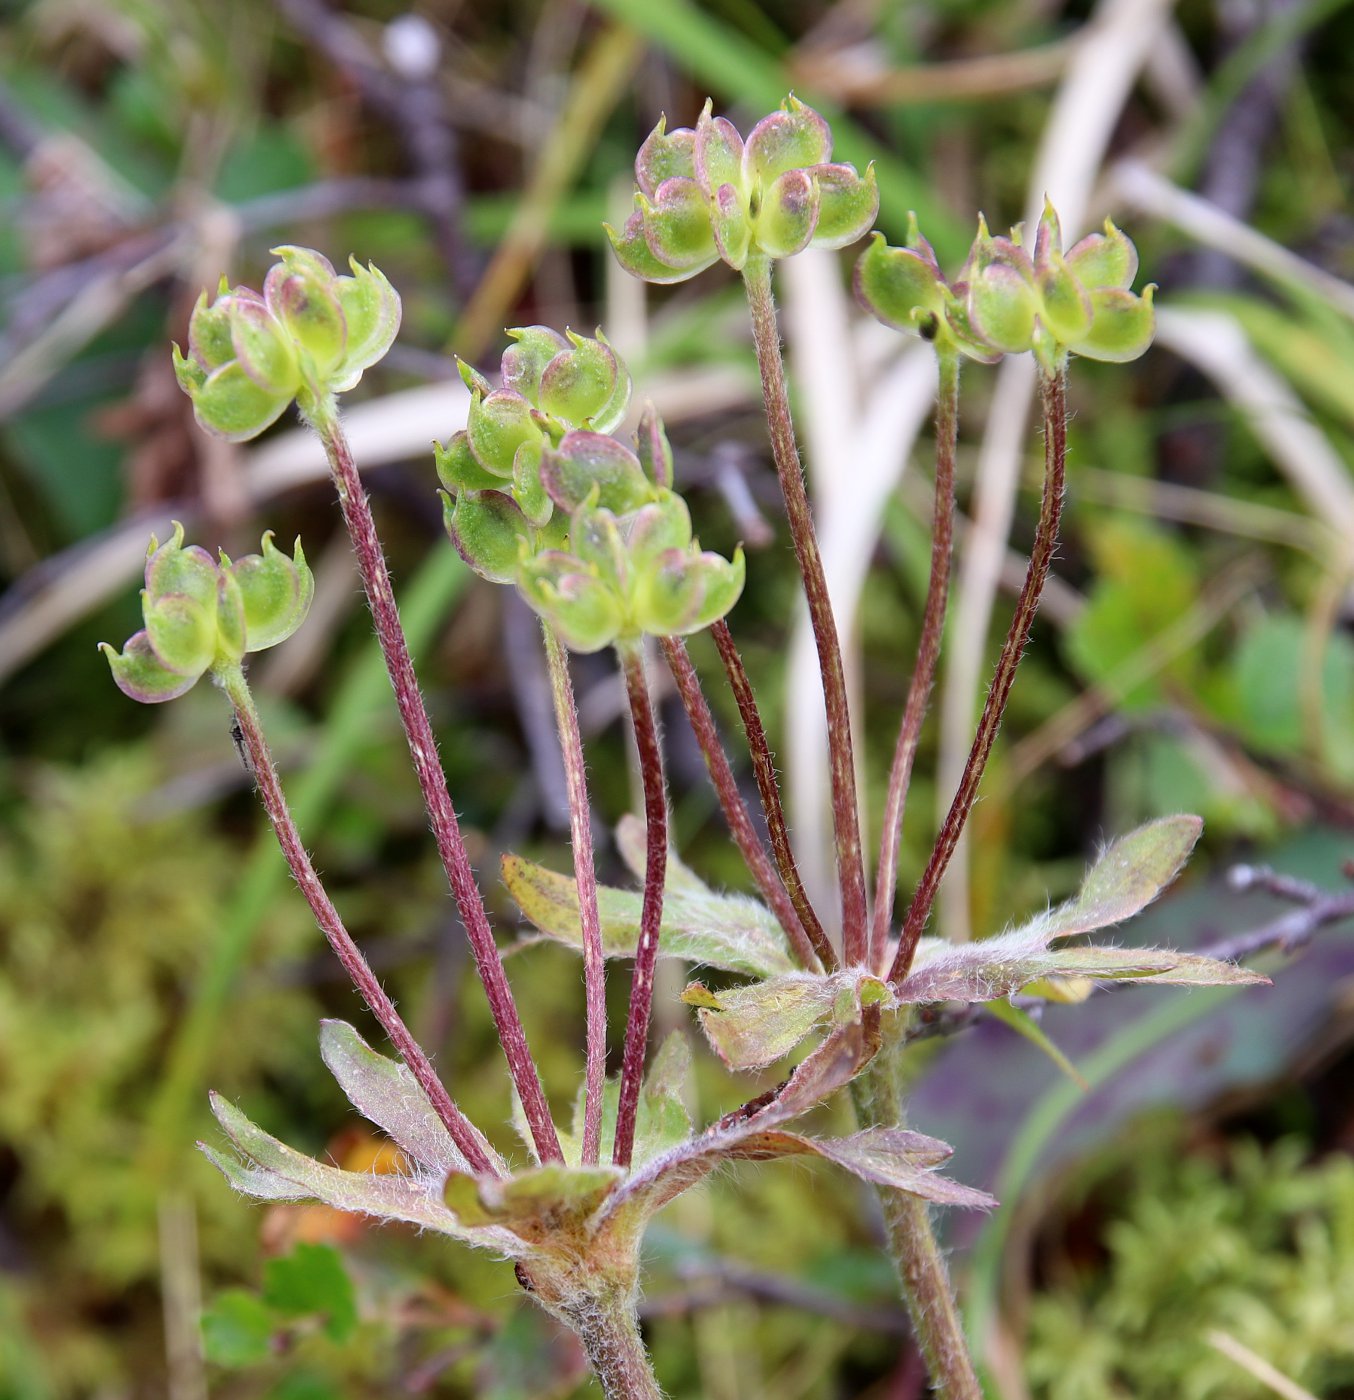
(1257, 1245)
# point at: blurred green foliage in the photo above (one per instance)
(1255, 1242)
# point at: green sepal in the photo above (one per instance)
(1106, 259)
(180, 631)
(525, 360)
(902, 287)
(788, 216)
(677, 227)
(528, 490)
(731, 226)
(1003, 307)
(790, 139)
(142, 676)
(718, 153)
(585, 462)
(210, 338)
(301, 291)
(276, 593)
(498, 425)
(583, 608)
(847, 204)
(261, 347)
(371, 313)
(653, 448)
(1122, 325)
(664, 156)
(489, 532)
(231, 644)
(631, 246)
(585, 384)
(686, 593)
(457, 468)
(232, 406)
(1065, 307)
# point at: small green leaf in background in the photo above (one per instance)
(1272, 672)
(237, 1330)
(1146, 579)
(312, 1279)
(304, 1385)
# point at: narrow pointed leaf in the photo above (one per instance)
(386, 1093)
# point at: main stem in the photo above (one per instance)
(463, 1132)
(922, 1272)
(928, 653)
(613, 1343)
(764, 770)
(585, 878)
(845, 813)
(433, 781)
(1053, 389)
(731, 801)
(651, 910)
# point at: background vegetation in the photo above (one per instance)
(1194, 652)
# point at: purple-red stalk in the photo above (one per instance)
(764, 771)
(463, 1132)
(928, 653)
(585, 878)
(651, 909)
(731, 802)
(845, 813)
(433, 782)
(1053, 389)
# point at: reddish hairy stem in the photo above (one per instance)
(585, 878)
(731, 801)
(651, 910)
(1054, 394)
(928, 653)
(463, 1133)
(433, 782)
(845, 813)
(764, 770)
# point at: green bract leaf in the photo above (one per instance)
(387, 1094)
(753, 1026)
(275, 1172)
(1131, 873)
(700, 926)
(661, 1121)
